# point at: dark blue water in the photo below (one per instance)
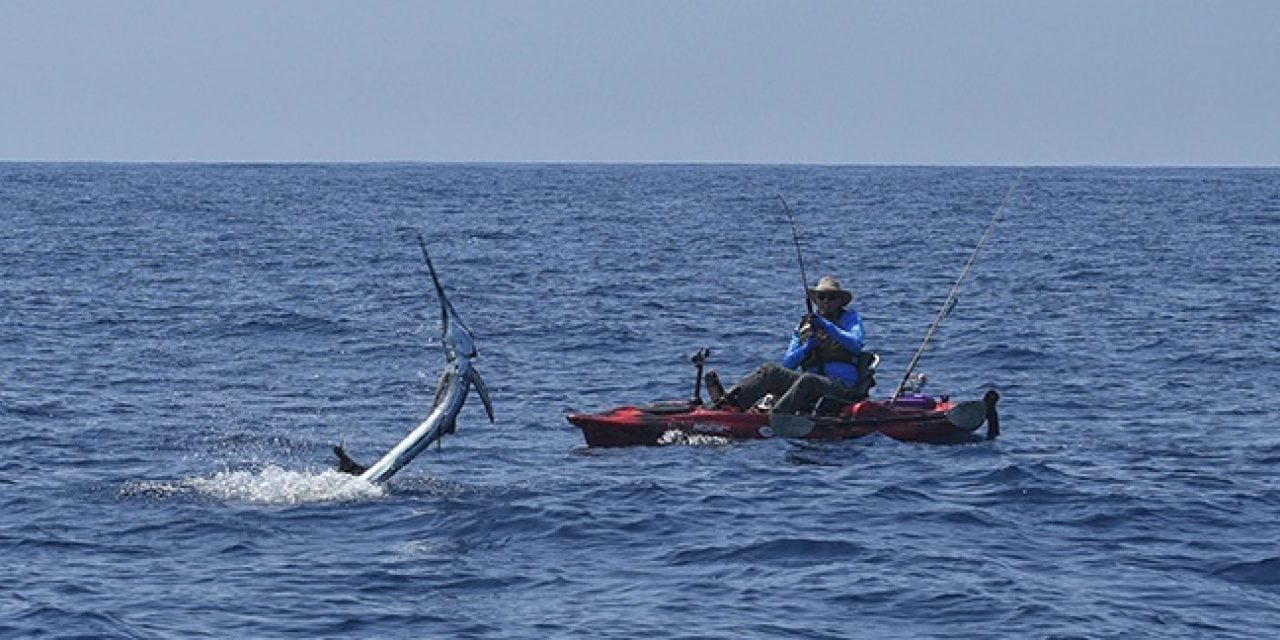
(181, 345)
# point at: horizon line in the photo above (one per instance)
(710, 163)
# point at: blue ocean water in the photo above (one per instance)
(181, 345)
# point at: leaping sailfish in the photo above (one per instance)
(456, 382)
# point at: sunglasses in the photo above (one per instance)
(826, 296)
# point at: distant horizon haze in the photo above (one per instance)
(913, 83)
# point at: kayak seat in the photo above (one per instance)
(833, 405)
(867, 363)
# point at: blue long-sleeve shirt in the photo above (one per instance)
(847, 332)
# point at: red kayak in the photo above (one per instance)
(911, 418)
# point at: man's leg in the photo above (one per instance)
(767, 378)
(805, 393)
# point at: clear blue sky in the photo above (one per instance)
(1113, 82)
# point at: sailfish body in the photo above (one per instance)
(456, 382)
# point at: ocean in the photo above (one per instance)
(182, 345)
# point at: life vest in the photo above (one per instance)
(828, 350)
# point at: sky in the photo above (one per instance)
(992, 82)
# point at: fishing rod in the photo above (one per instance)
(955, 288)
(795, 239)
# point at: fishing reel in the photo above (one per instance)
(914, 383)
(804, 329)
(700, 356)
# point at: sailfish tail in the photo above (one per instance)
(476, 381)
(346, 464)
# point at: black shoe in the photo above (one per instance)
(715, 390)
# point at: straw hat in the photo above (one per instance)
(828, 284)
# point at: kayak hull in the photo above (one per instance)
(910, 419)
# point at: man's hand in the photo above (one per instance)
(815, 325)
(810, 328)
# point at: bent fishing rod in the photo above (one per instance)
(951, 297)
(795, 239)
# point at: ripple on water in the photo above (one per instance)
(1262, 574)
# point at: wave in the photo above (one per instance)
(39, 619)
(277, 321)
(786, 551)
(1259, 573)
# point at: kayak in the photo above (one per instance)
(909, 418)
(906, 417)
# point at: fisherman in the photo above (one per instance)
(822, 360)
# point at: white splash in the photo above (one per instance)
(676, 436)
(274, 485)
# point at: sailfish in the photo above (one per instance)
(456, 382)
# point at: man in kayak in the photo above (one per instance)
(822, 360)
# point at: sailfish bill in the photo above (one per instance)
(456, 382)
